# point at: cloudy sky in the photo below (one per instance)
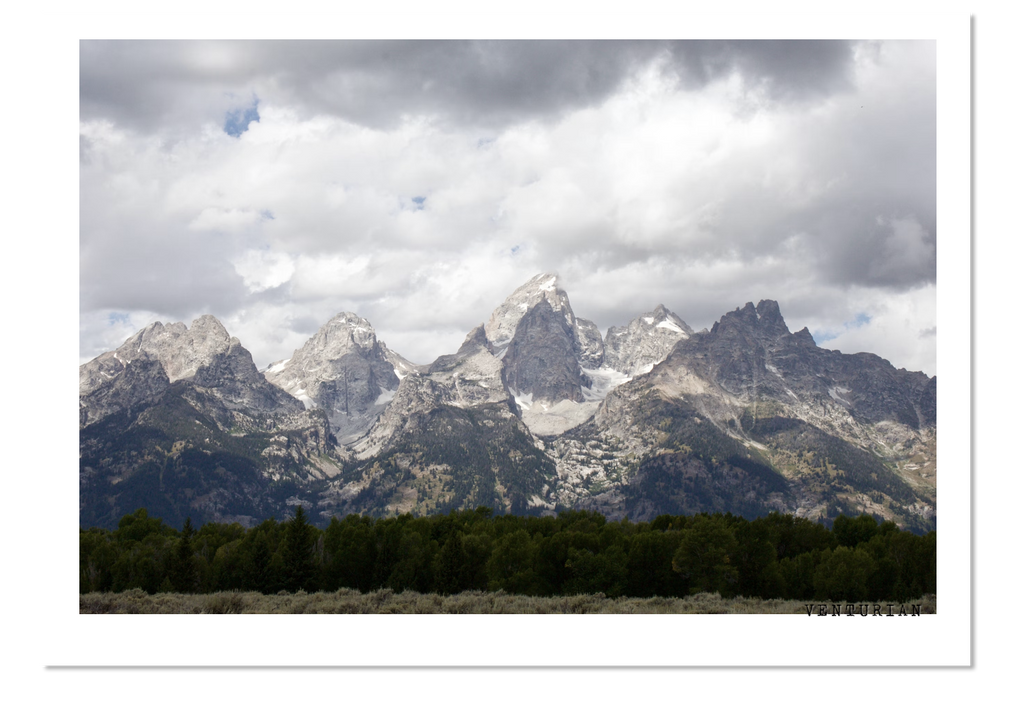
(275, 184)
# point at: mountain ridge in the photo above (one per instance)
(535, 412)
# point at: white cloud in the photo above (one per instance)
(901, 328)
(232, 220)
(261, 270)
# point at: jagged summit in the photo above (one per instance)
(501, 326)
(751, 354)
(344, 333)
(646, 341)
(159, 355)
(342, 369)
(180, 349)
(765, 318)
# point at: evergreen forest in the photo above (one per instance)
(574, 553)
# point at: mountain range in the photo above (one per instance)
(535, 413)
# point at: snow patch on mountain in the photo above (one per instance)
(669, 325)
(603, 380)
(523, 401)
(278, 366)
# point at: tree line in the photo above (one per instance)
(576, 552)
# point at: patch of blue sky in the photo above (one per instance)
(266, 215)
(237, 121)
(115, 318)
(419, 201)
(823, 336)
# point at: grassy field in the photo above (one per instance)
(388, 602)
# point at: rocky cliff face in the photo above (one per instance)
(541, 359)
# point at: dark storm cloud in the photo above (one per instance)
(487, 83)
(160, 85)
(147, 85)
(787, 70)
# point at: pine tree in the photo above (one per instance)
(300, 537)
(450, 566)
(184, 576)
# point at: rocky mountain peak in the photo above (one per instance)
(751, 354)
(203, 355)
(181, 349)
(209, 325)
(501, 326)
(342, 369)
(753, 344)
(475, 341)
(804, 336)
(342, 333)
(346, 333)
(471, 376)
(763, 320)
(769, 317)
(646, 341)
